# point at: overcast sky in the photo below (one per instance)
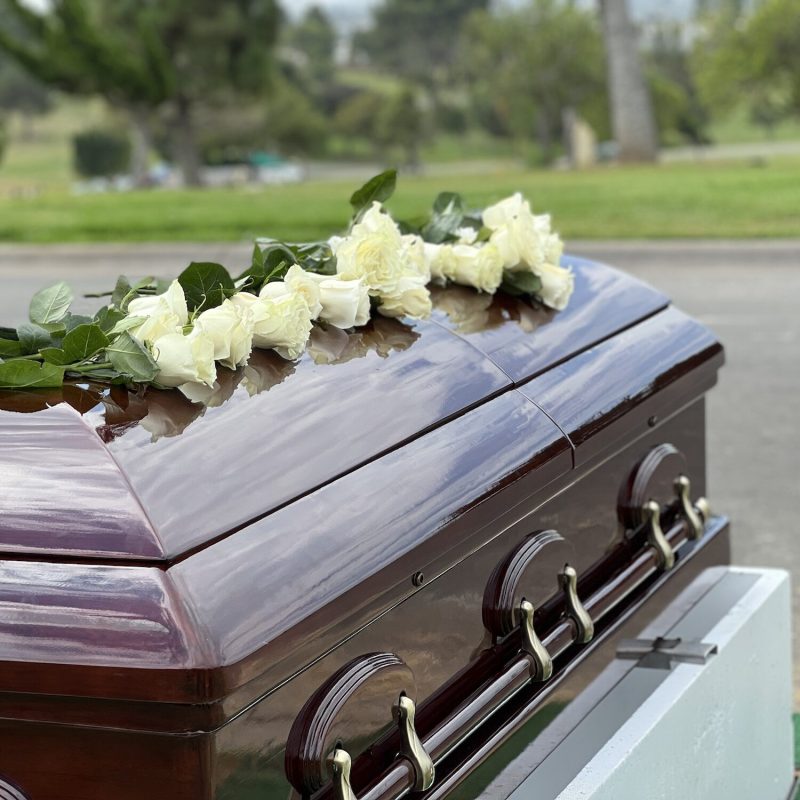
(348, 14)
(354, 12)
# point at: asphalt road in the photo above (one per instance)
(747, 292)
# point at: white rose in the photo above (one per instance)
(467, 235)
(479, 267)
(441, 261)
(345, 304)
(165, 313)
(558, 284)
(411, 299)
(553, 249)
(334, 243)
(518, 235)
(414, 257)
(281, 319)
(230, 328)
(185, 359)
(506, 211)
(435, 260)
(372, 251)
(298, 280)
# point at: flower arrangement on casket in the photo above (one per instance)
(176, 334)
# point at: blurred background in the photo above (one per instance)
(100, 101)
(664, 137)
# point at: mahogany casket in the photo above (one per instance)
(382, 569)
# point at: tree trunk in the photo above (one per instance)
(142, 144)
(632, 115)
(187, 153)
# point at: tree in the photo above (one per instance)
(417, 39)
(678, 106)
(315, 38)
(147, 56)
(632, 115)
(65, 48)
(524, 70)
(753, 59)
(216, 52)
(22, 93)
(401, 123)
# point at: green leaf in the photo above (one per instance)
(8, 333)
(121, 291)
(33, 338)
(28, 375)
(271, 264)
(108, 317)
(521, 283)
(206, 285)
(379, 188)
(104, 374)
(55, 355)
(10, 348)
(126, 324)
(129, 357)
(51, 304)
(71, 321)
(83, 342)
(257, 261)
(447, 217)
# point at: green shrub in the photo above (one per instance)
(100, 153)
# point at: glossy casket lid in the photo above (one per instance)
(117, 477)
(525, 341)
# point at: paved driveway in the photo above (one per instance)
(749, 293)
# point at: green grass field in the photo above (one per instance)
(709, 200)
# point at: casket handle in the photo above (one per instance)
(651, 511)
(695, 514)
(309, 748)
(502, 613)
(576, 611)
(340, 764)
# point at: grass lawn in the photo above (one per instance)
(686, 200)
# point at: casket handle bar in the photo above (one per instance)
(309, 748)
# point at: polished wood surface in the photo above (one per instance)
(194, 469)
(622, 386)
(296, 584)
(95, 630)
(238, 556)
(349, 399)
(252, 455)
(525, 340)
(248, 612)
(63, 495)
(438, 631)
